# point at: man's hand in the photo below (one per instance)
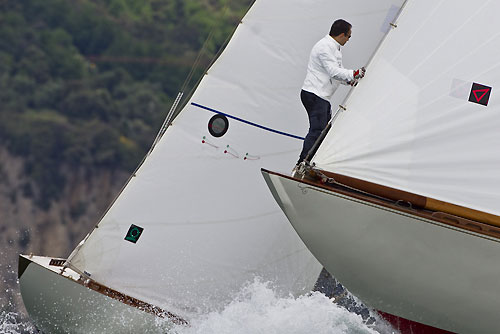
(359, 74)
(353, 83)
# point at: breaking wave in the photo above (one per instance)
(258, 309)
(11, 323)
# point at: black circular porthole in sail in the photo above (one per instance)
(218, 125)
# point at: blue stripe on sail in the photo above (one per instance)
(247, 122)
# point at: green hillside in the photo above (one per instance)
(87, 83)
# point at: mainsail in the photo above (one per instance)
(196, 221)
(425, 118)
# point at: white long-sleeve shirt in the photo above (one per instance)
(325, 71)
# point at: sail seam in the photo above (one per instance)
(247, 122)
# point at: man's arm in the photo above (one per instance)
(358, 75)
(334, 70)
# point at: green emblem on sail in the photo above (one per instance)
(133, 234)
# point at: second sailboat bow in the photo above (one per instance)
(424, 122)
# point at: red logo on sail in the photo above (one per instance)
(480, 94)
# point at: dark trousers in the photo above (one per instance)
(319, 112)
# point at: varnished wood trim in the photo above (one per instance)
(378, 190)
(390, 203)
(436, 205)
(130, 301)
(24, 262)
(416, 200)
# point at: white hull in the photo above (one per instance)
(59, 304)
(398, 263)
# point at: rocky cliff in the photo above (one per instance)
(27, 228)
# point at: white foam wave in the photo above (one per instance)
(258, 309)
(10, 323)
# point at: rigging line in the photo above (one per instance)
(196, 62)
(219, 52)
(173, 110)
(198, 58)
(167, 121)
(188, 79)
(376, 51)
(229, 36)
(322, 136)
(203, 48)
(312, 153)
(210, 36)
(247, 122)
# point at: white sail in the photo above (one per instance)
(209, 223)
(417, 121)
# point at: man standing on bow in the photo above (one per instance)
(324, 74)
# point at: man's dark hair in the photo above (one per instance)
(340, 27)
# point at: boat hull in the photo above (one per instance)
(402, 264)
(59, 304)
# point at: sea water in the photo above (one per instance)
(256, 310)
(13, 323)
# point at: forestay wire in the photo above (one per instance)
(173, 110)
